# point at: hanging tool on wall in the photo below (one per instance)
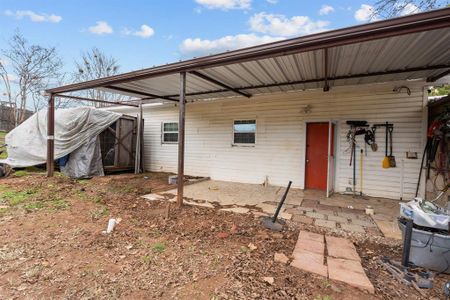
(361, 174)
(356, 128)
(392, 163)
(388, 160)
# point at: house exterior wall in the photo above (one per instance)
(279, 152)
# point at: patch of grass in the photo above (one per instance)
(159, 247)
(83, 181)
(34, 206)
(21, 173)
(15, 198)
(59, 203)
(98, 213)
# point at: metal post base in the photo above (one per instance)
(270, 224)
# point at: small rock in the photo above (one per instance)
(233, 228)
(269, 280)
(280, 257)
(336, 289)
(252, 246)
(222, 235)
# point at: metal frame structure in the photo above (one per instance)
(198, 68)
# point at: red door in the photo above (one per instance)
(316, 169)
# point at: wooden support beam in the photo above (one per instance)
(326, 86)
(438, 76)
(181, 130)
(217, 82)
(51, 136)
(145, 94)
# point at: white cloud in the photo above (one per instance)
(101, 28)
(225, 4)
(326, 9)
(34, 17)
(199, 46)
(409, 9)
(283, 26)
(365, 13)
(272, 1)
(145, 32)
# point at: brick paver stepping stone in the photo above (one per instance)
(350, 272)
(310, 262)
(341, 248)
(306, 235)
(310, 246)
(342, 264)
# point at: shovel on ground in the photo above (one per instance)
(271, 222)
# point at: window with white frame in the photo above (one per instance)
(169, 132)
(244, 132)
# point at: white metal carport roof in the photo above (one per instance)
(410, 47)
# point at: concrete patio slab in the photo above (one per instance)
(239, 210)
(325, 223)
(389, 229)
(243, 194)
(353, 228)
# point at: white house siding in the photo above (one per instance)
(279, 152)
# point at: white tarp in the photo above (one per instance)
(27, 143)
(86, 161)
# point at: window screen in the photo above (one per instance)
(244, 131)
(170, 132)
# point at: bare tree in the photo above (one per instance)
(95, 64)
(29, 70)
(394, 8)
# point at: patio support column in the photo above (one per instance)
(51, 136)
(326, 86)
(181, 121)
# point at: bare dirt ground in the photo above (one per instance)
(52, 247)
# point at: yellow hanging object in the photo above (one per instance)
(386, 164)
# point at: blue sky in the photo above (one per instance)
(143, 33)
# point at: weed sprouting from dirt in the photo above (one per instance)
(147, 259)
(159, 247)
(34, 272)
(98, 213)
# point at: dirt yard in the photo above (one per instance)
(52, 246)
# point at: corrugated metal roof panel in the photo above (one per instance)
(284, 73)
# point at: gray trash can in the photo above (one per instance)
(428, 249)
